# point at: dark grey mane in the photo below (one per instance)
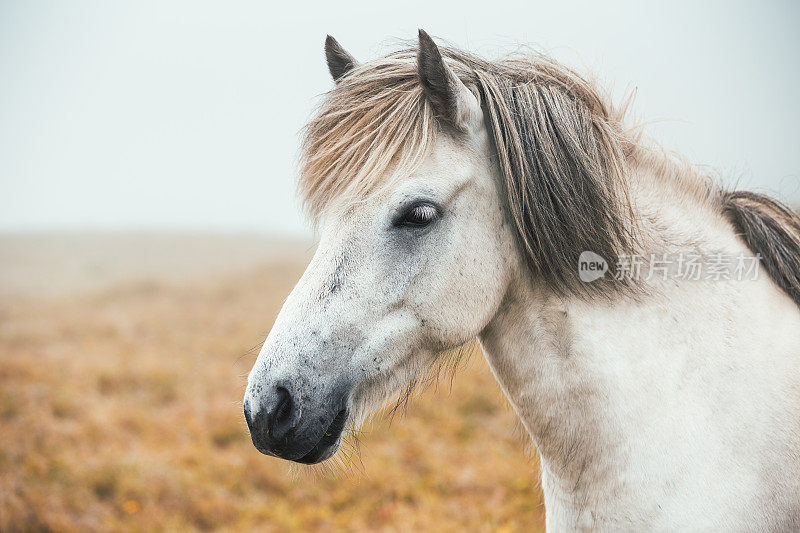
(560, 149)
(770, 229)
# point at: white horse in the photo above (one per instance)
(460, 198)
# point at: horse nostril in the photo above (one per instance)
(283, 417)
(283, 410)
(271, 418)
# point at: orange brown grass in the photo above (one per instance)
(121, 411)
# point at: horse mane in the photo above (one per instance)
(562, 154)
(771, 230)
(562, 151)
(375, 125)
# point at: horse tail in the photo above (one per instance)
(770, 229)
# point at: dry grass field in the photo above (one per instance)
(120, 410)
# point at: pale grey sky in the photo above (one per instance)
(185, 115)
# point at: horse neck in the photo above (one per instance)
(602, 386)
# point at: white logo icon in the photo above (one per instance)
(591, 266)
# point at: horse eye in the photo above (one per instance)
(418, 215)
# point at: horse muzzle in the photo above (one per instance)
(283, 425)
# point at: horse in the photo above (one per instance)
(510, 201)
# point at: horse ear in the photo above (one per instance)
(339, 61)
(451, 100)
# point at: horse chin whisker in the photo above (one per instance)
(253, 350)
(347, 458)
(408, 380)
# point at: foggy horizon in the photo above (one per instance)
(186, 117)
